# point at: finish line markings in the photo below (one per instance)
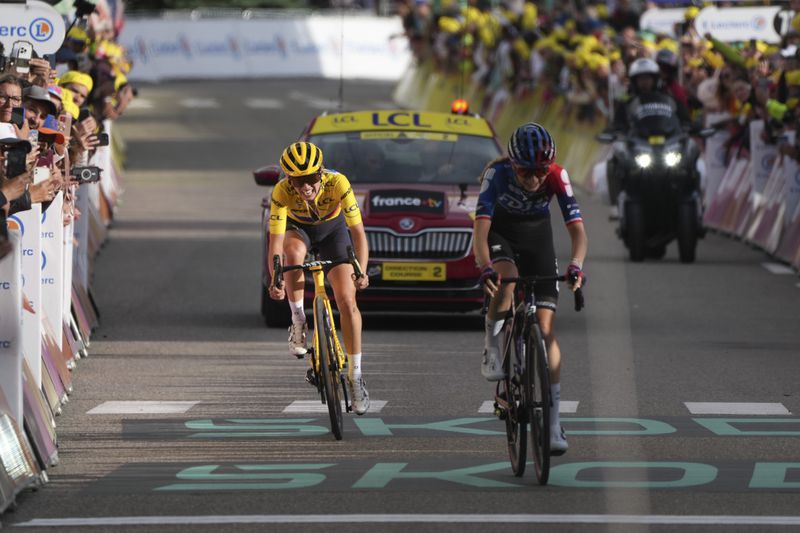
(777, 268)
(141, 408)
(419, 518)
(315, 406)
(734, 408)
(567, 407)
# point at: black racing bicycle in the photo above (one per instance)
(522, 397)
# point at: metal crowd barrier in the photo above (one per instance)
(51, 263)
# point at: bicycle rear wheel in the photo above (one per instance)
(513, 385)
(539, 408)
(328, 367)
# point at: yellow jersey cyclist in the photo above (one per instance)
(314, 207)
(512, 237)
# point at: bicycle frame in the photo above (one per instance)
(328, 359)
(321, 298)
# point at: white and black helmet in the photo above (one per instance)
(641, 66)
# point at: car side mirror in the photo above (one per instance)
(606, 137)
(267, 176)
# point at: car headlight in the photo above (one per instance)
(643, 160)
(672, 158)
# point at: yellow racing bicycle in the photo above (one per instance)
(328, 360)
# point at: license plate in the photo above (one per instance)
(656, 139)
(414, 272)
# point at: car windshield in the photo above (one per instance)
(406, 157)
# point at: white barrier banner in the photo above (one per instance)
(53, 265)
(67, 267)
(715, 153)
(80, 259)
(11, 327)
(28, 224)
(762, 156)
(281, 47)
(738, 24)
(791, 187)
(102, 159)
(661, 20)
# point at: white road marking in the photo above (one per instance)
(263, 103)
(569, 407)
(735, 408)
(729, 520)
(314, 102)
(315, 406)
(199, 103)
(141, 103)
(777, 268)
(141, 408)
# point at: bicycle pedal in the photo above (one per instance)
(311, 377)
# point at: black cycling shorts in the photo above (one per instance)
(529, 245)
(330, 238)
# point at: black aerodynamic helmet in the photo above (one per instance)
(531, 146)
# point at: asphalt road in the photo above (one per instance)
(178, 289)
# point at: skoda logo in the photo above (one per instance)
(406, 224)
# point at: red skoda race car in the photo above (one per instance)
(415, 175)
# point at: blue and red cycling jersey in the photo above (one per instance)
(499, 189)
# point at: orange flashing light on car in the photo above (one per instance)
(459, 107)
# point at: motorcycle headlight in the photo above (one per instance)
(672, 158)
(643, 160)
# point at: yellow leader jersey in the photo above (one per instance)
(335, 195)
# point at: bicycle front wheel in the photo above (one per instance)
(539, 408)
(513, 388)
(328, 367)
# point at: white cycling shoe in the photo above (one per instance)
(558, 441)
(297, 339)
(492, 366)
(359, 397)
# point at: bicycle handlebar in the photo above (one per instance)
(278, 269)
(530, 280)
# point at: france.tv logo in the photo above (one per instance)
(41, 29)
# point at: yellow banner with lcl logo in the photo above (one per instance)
(401, 120)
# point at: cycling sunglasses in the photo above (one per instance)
(528, 173)
(311, 179)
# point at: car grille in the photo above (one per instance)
(426, 244)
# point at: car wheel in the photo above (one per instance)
(687, 232)
(635, 230)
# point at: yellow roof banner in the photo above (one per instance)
(401, 120)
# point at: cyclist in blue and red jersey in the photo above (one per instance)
(512, 237)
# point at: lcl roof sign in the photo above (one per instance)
(35, 22)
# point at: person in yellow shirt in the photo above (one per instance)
(313, 207)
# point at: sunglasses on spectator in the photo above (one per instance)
(311, 179)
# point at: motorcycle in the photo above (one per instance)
(659, 199)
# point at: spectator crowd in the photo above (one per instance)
(53, 110)
(581, 50)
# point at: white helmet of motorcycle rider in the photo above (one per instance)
(642, 69)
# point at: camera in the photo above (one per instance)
(86, 174)
(84, 8)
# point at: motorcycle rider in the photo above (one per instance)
(645, 100)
